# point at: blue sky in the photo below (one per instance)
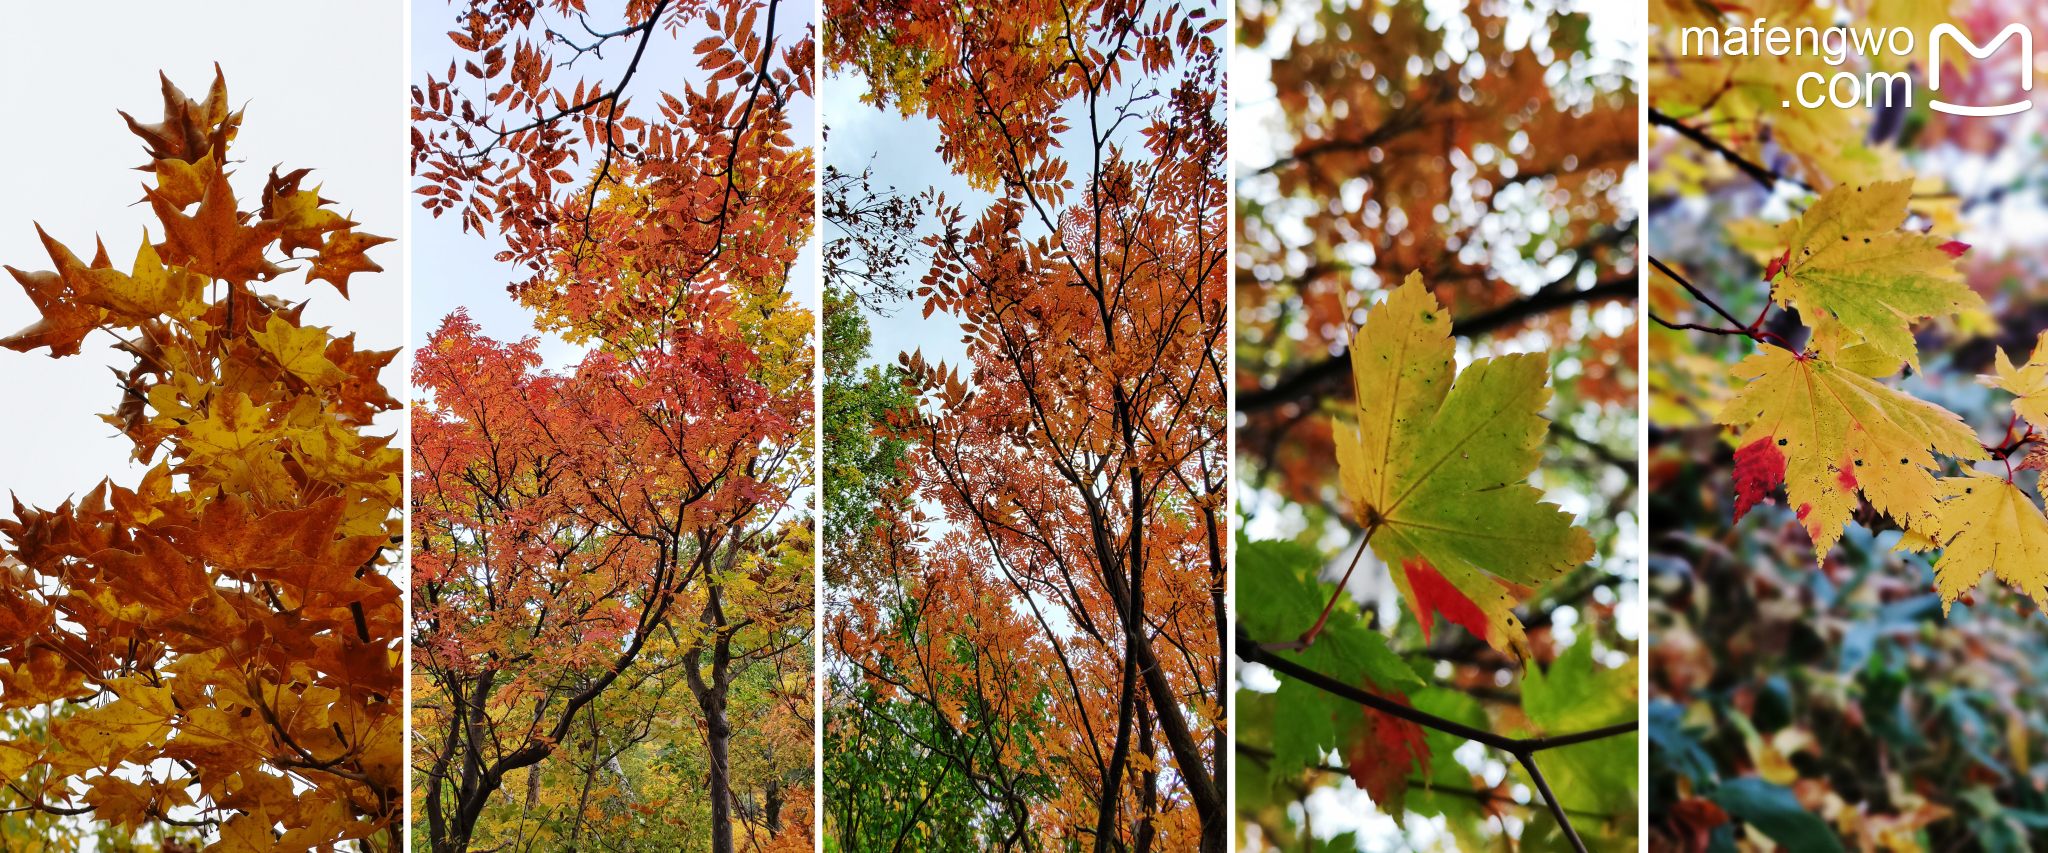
(904, 154)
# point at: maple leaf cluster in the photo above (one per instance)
(697, 190)
(215, 648)
(1490, 159)
(1819, 421)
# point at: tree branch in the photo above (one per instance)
(1523, 749)
(1308, 379)
(1762, 175)
(1263, 755)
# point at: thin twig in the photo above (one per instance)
(1309, 378)
(1696, 294)
(1523, 749)
(1751, 332)
(1263, 755)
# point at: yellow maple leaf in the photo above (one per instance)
(182, 183)
(301, 350)
(1828, 432)
(305, 220)
(1988, 524)
(235, 426)
(2029, 383)
(119, 801)
(109, 734)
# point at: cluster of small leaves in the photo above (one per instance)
(213, 651)
(499, 140)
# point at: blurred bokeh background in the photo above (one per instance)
(1830, 705)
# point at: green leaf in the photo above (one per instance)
(1287, 601)
(1575, 694)
(1776, 813)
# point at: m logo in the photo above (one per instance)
(1934, 67)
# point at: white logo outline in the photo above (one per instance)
(1934, 67)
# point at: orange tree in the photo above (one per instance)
(213, 653)
(595, 545)
(1049, 634)
(1485, 153)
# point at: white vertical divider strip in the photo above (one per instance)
(1225, 643)
(1642, 203)
(404, 381)
(818, 442)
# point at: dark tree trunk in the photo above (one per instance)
(718, 737)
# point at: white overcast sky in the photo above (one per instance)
(323, 88)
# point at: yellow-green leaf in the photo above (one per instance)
(1435, 471)
(1855, 277)
(1828, 432)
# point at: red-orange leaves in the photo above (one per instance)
(190, 130)
(66, 318)
(1385, 752)
(160, 578)
(569, 525)
(1433, 593)
(342, 256)
(1075, 457)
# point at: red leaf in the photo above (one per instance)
(1759, 468)
(1955, 248)
(1387, 746)
(1436, 594)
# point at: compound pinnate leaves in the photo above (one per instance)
(2029, 383)
(1828, 432)
(1435, 471)
(1855, 278)
(1989, 524)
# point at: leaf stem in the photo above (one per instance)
(1751, 331)
(1308, 638)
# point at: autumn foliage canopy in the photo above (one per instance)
(612, 565)
(1052, 638)
(212, 653)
